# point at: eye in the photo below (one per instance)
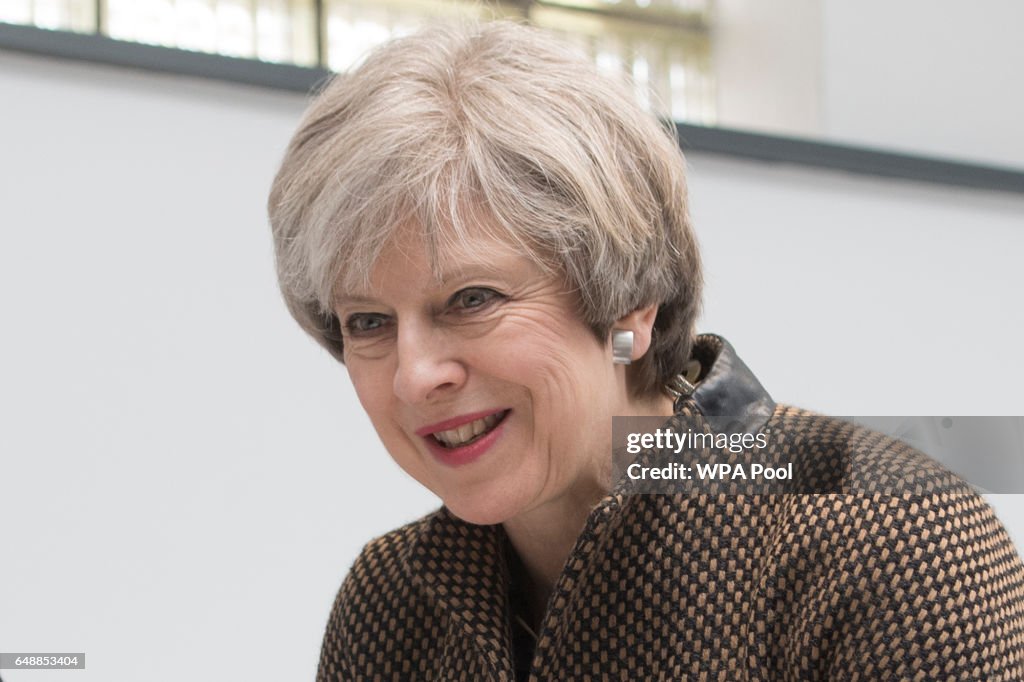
(473, 297)
(365, 324)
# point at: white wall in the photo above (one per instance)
(184, 474)
(935, 77)
(185, 478)
(941, 76)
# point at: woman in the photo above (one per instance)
(494, 239)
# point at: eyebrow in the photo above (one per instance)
(464, 271)
(470, 270)
(352, 298)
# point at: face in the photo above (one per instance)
(483, 385)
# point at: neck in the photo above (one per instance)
(543, 537)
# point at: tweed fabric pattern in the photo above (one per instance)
(875, 584)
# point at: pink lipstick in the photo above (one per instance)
(444, 441)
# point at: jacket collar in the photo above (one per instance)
(727, 391)
(463, 567)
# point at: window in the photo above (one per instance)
(61, 15)
(664, 44)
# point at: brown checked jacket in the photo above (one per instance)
(857, 582)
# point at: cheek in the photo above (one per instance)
(373, 386)
(563, 368)
(373, 390)
(545, 359)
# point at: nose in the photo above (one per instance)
(428, 368)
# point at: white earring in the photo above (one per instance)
(622, 346)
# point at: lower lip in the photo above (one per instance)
(464, 454)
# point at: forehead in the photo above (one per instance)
(414, 256)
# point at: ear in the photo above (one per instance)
(641, 323)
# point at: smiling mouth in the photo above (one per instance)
(469, 433)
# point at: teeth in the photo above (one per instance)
(467, 432)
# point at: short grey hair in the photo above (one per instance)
(436, 126)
